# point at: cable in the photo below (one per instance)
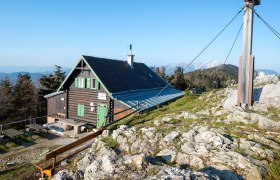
(233, 43)
(204, 48)
(275, 32)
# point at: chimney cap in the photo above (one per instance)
(257, 2)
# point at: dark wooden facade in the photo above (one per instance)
(87, 97)
(57, 104)
(84, 96)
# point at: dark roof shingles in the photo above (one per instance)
(118, 76)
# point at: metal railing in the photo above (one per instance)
(20, 124)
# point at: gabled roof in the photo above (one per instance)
(118, 76)
(137, 86)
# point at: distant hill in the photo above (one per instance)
(12, 72)
(267, 71)
(215, 77)
(29, 69)
(13, 76)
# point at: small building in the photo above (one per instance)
(98, 91)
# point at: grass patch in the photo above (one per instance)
(274, 171)
(274, 112)
(20, 172)
(11, 144)
(239, 150)
(26, 139)
(110, 142)
(274, 168)
(152, 171)
(3, 148)
(189, 102)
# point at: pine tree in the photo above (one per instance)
(25, 97)
(6, 100)
(179, 80)
(49, 84)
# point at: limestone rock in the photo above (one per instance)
(168, 154)
(263, 78)
(86, 161)
(196, 162)
(138, 160)
(107, 165)
(269, 124)
(171, 136)
(182, 158)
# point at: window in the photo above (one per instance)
(81, 110)
(80, 82)
(92, 83)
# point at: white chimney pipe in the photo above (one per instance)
(130, 57)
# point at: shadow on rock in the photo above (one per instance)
(222, 174)
(257, 93)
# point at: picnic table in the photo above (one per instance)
(37, 127)
(11, 132)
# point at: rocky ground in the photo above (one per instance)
(201, 138)
(18, 162)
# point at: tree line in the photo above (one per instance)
(212, 78)
(24, 99)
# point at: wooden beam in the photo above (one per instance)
(63, 149)
(84, 69)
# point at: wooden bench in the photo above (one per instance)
(46, 168)
(65, 152)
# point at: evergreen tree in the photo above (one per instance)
(179, 80)
(6, 100)
(25, 97)
(49, 84)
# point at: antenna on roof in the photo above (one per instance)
(130, 49)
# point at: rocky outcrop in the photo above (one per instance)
(265, 78)
(147, 153)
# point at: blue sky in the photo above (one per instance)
(49, 32)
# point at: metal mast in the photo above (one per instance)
(246, 63)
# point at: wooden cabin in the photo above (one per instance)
(98, 91)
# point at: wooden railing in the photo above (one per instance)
(54, 154)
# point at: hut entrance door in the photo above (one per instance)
(101, 115)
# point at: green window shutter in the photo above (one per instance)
(97, 84)
(88, 84)
(83, 83)
(76, 83)
(82, 110)
(78, 110)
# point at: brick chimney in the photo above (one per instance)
(130, 57)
